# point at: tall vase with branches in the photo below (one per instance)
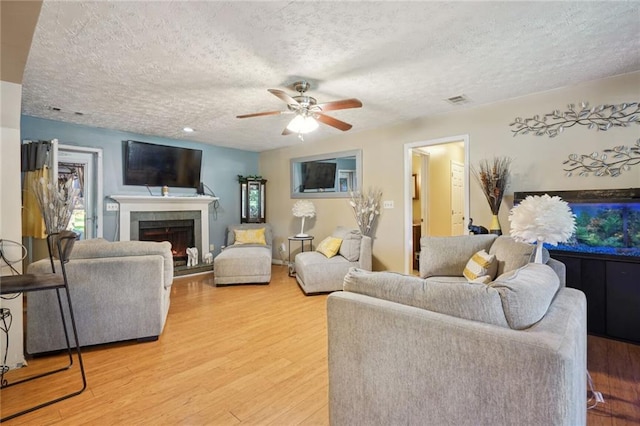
(366, 209)
(57, 202)
(493, 177)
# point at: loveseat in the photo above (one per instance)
(442, 351)
(120, 291)
(316, 273)
(246, 259)
(445, 258)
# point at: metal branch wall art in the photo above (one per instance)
(611, 163)
(601, 117)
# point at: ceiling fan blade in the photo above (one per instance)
(333, 122)
(282, 95)
(260, 114)
(343, 104)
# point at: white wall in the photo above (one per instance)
(537, 161)
(10, 212)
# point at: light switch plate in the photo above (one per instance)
(112, 207)
(387, 204)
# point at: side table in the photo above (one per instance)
(26, 283)
(309, 238)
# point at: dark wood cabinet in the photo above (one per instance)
(253, 200)
(623, 300)
(416, 245)
(612, 287)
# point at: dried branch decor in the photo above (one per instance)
(601, 117)
(622, 158)
(493, 177)
(366, 209)
(56, 203)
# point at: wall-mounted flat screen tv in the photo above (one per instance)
(319, 176)
(158, 165)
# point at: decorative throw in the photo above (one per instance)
(329, 246)
(481, 264)
(249, 236)
(483, 279)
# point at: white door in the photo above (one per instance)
(457, 198)
(87, 217)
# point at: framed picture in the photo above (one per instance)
(344, 186)
(414, 190)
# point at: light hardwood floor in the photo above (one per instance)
(246, 355)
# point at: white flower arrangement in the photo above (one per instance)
(542, 219)
(303, 209)
(56, 203)
(366, 209)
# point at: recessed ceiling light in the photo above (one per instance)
(187, 129)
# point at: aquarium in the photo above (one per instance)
(607, 221)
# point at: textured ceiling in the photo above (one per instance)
(155, 67)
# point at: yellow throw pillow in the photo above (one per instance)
(329, 246)
(481, 263)
(249, 236)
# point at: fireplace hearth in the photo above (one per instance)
(180, 233)
(136, 208)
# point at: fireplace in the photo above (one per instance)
(180, 233)
(136, 208)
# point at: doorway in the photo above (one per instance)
(441, 167)
(84, 166)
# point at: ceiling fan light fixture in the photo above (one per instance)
(302, 124)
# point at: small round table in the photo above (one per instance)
(302, 240)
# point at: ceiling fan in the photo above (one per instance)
(308, 111)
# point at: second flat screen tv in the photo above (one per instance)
(159, 165)
(319, 176)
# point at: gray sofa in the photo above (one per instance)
(315, 273)
(244, 263)
(416, 351)
(119, 290)
(444, 258)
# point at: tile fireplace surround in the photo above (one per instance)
(142, 206)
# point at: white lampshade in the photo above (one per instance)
(302, 124)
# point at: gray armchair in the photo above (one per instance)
(120, 291)
(315, 273)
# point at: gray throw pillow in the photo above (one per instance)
(350, 247)
(447, 256)
(527, 293)
(510, 254)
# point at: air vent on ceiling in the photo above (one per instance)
(58, 109)
(458, 100)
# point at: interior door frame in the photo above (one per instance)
(408, 182)
(97, 155)
(463, 191)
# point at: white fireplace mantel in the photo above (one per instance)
(149, 203)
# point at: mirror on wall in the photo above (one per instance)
(331, 175)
